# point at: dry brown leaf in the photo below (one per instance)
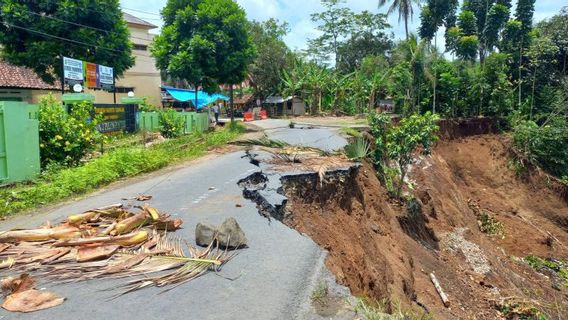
(31, 300)
(90, 253)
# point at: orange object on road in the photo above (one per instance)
(263, 114)
(248, 116)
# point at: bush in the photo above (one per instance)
(64, 137)
(545, 146)
(358, 149)
(171, 123)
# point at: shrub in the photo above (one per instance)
(545, 146)
(64, 137)
(171, 124)
(358, 149)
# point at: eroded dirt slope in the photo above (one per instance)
(386, 250)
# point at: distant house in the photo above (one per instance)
(290, 106)
(21, 83)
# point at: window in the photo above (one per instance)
(124, 89)
(140, 47)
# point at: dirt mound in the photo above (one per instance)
(386, 250)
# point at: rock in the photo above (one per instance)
(375, 227)
(204, 234)
(231, 235)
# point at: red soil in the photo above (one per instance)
(379, 250)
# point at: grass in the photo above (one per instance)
(377, 310)
(352, 132)
(61, 183)
(320, 292)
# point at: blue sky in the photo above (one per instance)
(297, 14)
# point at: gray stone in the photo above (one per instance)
(204, 234)
(231, 235)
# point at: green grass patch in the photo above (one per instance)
(58, 184)
(351, 132)
(320, 292)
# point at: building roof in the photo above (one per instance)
(137, 21)
(12, 76)
(244, 99)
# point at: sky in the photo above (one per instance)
(297, 14)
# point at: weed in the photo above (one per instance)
(522, 310)
(351, 132)
(490, 225)
(292, 125)
(377, 310)
(557, 266)
(358, 149)
(518, 167)
(57, 183)
(263, 142)
(320, 292)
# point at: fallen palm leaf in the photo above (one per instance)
(8, 263)
(24, 298)
(90, 253)
(141, 197)
(60, 232)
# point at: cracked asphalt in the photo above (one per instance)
(273, 278)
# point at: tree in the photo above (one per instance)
(556, 29)
(435, 14)
(204, 42)
(37, 34)
(334, 24)
(405, 10)
(367, 38)
(273, 56)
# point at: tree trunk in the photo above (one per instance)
(406, 27)
(533, 88)
(196, 90)
(520, 74)
(434, 106)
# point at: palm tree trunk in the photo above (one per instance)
(406, 27)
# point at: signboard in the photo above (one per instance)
(116, 117)
(90, 74)
(72, 71)
(106, 78)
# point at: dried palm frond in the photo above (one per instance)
(108, 242)
(263, 142)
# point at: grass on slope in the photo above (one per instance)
(58, 185)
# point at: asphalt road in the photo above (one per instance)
(277, 273)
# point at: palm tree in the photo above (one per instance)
(404, 8)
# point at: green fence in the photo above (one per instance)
(19, 142)
(193, 121)
(149, 121)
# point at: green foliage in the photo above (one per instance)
(490, 225)
(358, 149)
(98, 33)
(405, 10)
(405, 139)
(171, 124)
(400, 143)
(545, 146)
(204, 42)
(273, 56)
(558, 266)
(352, 132)
(58, 183)
(64, 137)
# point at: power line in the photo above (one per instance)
(146, 12)
(78, 24)
(61, 38)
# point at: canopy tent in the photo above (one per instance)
(203, 98)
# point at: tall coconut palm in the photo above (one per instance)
(404, 8)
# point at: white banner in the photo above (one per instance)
(106, 75)
(72, 69)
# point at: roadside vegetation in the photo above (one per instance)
(378, 310)
(58, 182)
